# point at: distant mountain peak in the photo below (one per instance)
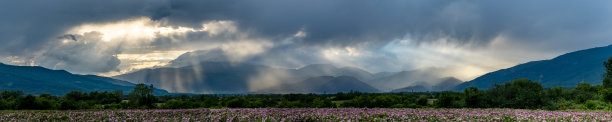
(199, 56)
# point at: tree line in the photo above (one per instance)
(519, 93)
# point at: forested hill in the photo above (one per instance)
(566, 70)
(39, 80)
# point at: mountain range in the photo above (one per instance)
(223, 77)
(39, 80)
(566, 70)
(226, 77)
(427, 78)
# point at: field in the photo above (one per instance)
(305, 114)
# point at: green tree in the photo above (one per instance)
(68, 104)
(237, 102)
(176, 104)
(142, 96)
(209, 101)
(446, 100)
(322, 103)
(473, 97)
(607, 77)
(44, 103)
(584, 92)
(27, 102)
(422, 101)
(385, 101)
(554, 93)
(520, 93)
(48, 96)
(363, 101)
(11, 94)
(607, 94)
(74, 95)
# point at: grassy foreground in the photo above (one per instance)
(305, 114)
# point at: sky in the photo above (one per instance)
(466, 38)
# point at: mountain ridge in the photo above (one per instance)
(40, 80)
(225, 77)
(565, 70)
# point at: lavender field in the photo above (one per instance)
(306, 114)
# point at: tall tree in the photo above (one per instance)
(607, 77)
(446, 99)
(473, 97)
(27, 102)
(142, 96)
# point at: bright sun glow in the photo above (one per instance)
(138, 28)
(145, 60)
(133, 32)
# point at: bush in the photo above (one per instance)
(322, 103)
(237, 102)
(398, 106)
(175, 104)
(560, 104)
(595, 105)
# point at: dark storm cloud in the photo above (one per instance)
(333, 22)
(347, 22)
(27, 27)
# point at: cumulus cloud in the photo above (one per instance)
(85, 54)
(144, 43)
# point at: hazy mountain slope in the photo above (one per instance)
(447, 83)
(195, 57)
(442, 84)
(312, 70)
(205, 77)
(417, 88)
(385, 81)
(109, 80)
(225, 77)
(426, 77)
(566, 70)
(327, 84)
(315, 70)
(382, 74)
(38, 80)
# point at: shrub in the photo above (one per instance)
(595, 105)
